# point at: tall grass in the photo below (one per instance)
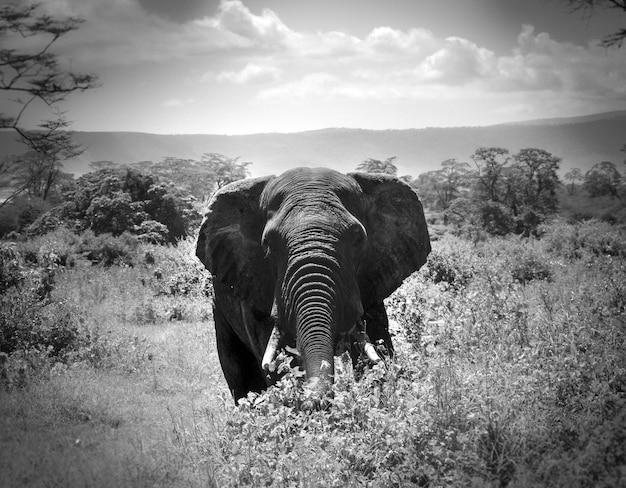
(510, 371)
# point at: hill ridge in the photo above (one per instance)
(580, 142)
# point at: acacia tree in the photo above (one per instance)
(199, 178)
(573, 176)
(35, 75)
(603, 179)
(224, 170)
(510, 194)
(443, 186)
(377, 166)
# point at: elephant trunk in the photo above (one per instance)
(312, 306)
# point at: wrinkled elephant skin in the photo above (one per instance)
(305, 260)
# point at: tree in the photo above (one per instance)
(573, 176)
(122, 200)
(537, 171)
(603, 179)
(588, 6)
(33, 75)
(200, 178)
(511, 194)
(224, 170)
(490, 163)
(442, 186)
(104, 164)
(376, 166)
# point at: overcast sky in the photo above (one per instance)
(247, 66)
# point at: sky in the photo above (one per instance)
(251, 66)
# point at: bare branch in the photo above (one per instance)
(37, 75)
(587, 8)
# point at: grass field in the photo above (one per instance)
(510, 371)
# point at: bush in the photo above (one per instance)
(496, 219)
(47, 222)
(450, 266)
(152, 232)
(28, 323)
(179, 272)
(108, 250)
(115, 201)
(11, 271)
(528, 264)
(591, 237)
(528, 222)
(103, 349)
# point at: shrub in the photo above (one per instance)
(103, 349)
(179, 272)
(108, 250)
(28, 323)
(11, 271)
(152, 232)
(528, 264)
(450, 266)
(591, 237)
(528, 222)
(114, 214)
(496, 218)
(114, 201)
(47, 222)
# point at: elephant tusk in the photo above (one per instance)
(270, 349)
(365, 345)
(370, 352)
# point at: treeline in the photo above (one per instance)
(501, 193)
(158, 202)
(497, 193)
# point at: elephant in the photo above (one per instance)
(303, 261)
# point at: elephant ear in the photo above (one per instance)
(229, 243)
(397, 237)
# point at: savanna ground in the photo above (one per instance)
(510, 371)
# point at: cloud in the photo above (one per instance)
(251, 73)
(458, 61)
(385, 41)
(265, 30)
(541, 63)
(386, 63)
(394, 64)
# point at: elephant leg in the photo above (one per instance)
(377, 325)
(239, 365)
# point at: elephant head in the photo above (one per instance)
(305, 260)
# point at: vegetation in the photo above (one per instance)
(117, 201)
(438, 189)
(505, 194)
(510, 352)
(386, 167)
(200, 178)
(32, 76)
(509, 372)
(603, 179)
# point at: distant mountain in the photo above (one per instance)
(580, 141)
(619, 114)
